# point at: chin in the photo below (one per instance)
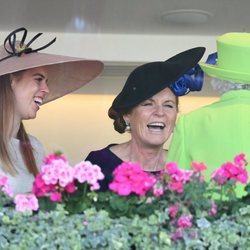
(30, 117)
(156, 144)
(157, 141)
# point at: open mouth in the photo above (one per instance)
(156, 125)
(38, 101)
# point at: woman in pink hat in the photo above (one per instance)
(29, 79)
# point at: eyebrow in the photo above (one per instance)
(169, 100)
(173, 101)
(39, 74)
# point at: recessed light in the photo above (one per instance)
(185, 16)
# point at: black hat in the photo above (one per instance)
(148, 79)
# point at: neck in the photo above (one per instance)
(15, 128)
(150, 158)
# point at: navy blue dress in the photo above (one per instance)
(107, 161)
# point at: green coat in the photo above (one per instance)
(213, 134)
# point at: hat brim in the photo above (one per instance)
(65, 74)
(229, 75)
(171, 69)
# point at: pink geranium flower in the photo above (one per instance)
(5, 187)
(57, 178)
(130, 178)
(199, 166)
(56, 197)
(213, 210)
(158, 191)
(40, 188)
(185, 221)
(173, 210)
(87, 172)
(232, 171)
(178, 234)
(70, 188)
(178, 177)
(51, 157)
(26, 202)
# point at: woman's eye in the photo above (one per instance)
(146, 104)
(39, 79)
(169, 105)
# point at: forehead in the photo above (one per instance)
(36, 71)
(165, 93)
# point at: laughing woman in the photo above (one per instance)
(147, 108)
(29, 79)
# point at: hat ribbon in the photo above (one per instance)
(212, 58)
(187, 83)
(22, 48)
(191, 81)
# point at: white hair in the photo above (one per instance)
(223, 86)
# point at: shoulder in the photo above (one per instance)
(103, 156)
(37, 146)
(102, 150)
(34, 141)
(197, 113)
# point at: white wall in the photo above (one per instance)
(120, 48)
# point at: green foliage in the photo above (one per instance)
(90, 230)
(58, 230)
(128, 206)
(229, 232)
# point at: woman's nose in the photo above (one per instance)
(45, 88)
(159, 110)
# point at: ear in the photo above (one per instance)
(13, 81)
(126, 118)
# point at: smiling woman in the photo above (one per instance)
(147, 108)
(29, 88)
(29, 79)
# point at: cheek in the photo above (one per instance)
(172, 118)
(139, 120)
(138, 126)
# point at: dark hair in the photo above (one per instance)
(119, 123)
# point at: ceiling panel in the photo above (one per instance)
(126, 16)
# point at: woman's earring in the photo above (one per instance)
(128, 128)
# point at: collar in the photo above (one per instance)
(233, 94)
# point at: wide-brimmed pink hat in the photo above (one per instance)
(65, 73)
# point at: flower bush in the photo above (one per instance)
(173, 209)
(60, 182)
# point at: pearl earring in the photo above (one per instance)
(128, 128)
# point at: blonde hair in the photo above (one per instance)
(6, 126)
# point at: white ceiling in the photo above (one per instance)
(124, 16)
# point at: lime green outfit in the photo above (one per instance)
(213, 134)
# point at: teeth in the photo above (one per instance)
(157, 125)
(38, 100)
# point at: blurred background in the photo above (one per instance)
(123, 34)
